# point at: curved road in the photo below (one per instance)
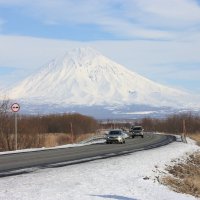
(9, 163)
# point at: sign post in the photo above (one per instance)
(15, 108)
(184, 132)
(72, 133)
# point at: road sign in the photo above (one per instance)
(15, 107)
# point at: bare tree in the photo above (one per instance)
(6, 127)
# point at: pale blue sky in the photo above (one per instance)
(159, 39)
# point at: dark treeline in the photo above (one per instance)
(32, 129)
(67, 123)
(57, 123)
(171, 124)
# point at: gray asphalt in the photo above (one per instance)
(72, 155)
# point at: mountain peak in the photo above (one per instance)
(85, 50)
(85, 77)
(76, 58)
(82, 53)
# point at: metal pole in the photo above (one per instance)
(184, 133)
(15, 131)
(72, 134)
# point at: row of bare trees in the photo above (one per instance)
(173, 124)
(6, 127)
(33, 129)
(170, 124)
(66, 123)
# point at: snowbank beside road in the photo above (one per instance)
(121, 178)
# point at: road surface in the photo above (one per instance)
(9, 163)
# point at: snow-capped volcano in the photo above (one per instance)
(85, 77)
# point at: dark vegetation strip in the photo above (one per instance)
(184, 177)
(38, 131)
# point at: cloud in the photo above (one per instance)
(173, 11)
(128, 31)
(2, 22)
(12, 2)
(130, 19)
(32, 52)
(160, 61)
(158, 34)
(29, 52)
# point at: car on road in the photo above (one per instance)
(116, 136)
(136, 131)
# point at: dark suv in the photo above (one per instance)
(136, 131)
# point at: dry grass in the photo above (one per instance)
(185, 177)
(195, 137)
(82, 137)
(56, 139)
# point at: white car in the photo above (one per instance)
(115, 136)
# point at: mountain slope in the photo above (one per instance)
(85, 77)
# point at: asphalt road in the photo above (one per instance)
(65, 156)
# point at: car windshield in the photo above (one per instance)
(137, 128)
(114, 133)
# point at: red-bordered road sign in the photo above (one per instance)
(15, 107)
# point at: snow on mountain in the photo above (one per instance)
(85, 77)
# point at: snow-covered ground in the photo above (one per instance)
(118, 178)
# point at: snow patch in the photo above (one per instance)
(123, 178)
